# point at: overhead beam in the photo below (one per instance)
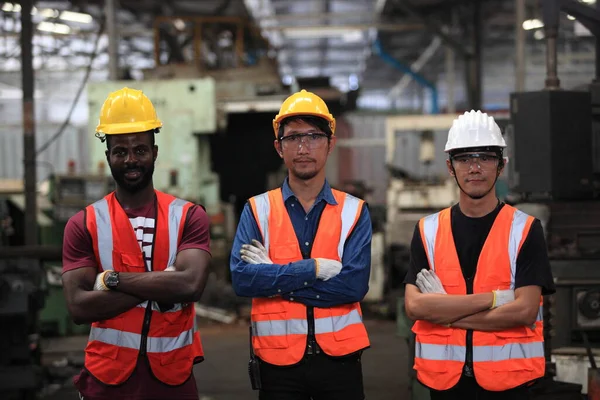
(388, 27)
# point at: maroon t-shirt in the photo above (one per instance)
(78, 252)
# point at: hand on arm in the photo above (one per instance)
(87, 305)
(522, 311)
(253, 275)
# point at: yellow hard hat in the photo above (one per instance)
(303, 103)
(127, 111)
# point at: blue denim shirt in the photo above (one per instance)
(297, 281)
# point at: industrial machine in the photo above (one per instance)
(560, 181)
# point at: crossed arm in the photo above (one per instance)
(184, 285)
(298, 280)
(473, 311)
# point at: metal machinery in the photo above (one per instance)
(31, 298)
(561, 180)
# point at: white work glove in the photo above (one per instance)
(99, 283)
(327, 269)
(502, 297)
(255, 253)
(428, 282)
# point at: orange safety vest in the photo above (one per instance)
(280, 327)
(501, 360)
(171, 340)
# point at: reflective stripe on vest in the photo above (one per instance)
(133, 340)
(300, 326)
(501, 360)
(437, 352)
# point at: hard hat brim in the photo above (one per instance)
(279, 119)
(128, 127)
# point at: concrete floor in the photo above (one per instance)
(223, 375)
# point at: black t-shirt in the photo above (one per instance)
(533, 266)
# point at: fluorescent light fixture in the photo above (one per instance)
(54, 28)
(10, 7)
(179, 24)
(49, 13)
(532, 24)
(76, 17)
(321, 32)
(572, 18)
(588, 1)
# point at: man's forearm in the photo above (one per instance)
(265, 280)
(162, 287)
(443, 308)
(92, 306)
(507, 316)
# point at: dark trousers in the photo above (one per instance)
(468, 389)
(316, 377)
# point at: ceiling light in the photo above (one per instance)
(572, 18)
(179, 24)
(321, 32)
(76, 17)
(54, 28)
(10, 7)
(49, 13)
(532, 24)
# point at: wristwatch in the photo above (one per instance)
(111, 279)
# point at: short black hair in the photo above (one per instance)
(151, 132)
(317, 122)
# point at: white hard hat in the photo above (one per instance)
(474, 129)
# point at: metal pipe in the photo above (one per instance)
(551, 10)
(476, 59)
(27, 76)
(597, 47)
(46, 253)
(451, 70)
(520, 46)
(378, 49)
(110, 10)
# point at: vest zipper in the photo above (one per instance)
(148, 313)
(311, 344)
(145, 329)
(310, 316)
(469, 338)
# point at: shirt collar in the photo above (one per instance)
(325, 193)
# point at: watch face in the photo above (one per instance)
(112, 279)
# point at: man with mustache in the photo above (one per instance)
(302, 252)
(477, 274)
(134, 264)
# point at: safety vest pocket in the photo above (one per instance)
(133, 262)
(271, 326)
(285, 253)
